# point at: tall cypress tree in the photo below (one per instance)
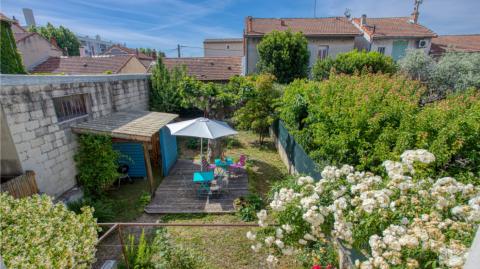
(11, 61)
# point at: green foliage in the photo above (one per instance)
(65, 38)
(248, 206)
(165, 95)
(159, 253)
(354, 62)
(453, 72)
(365, 119)
(145, 199)
(285, 55)
(10, 59)
(102, 208)
(258, 113)
(37, 233)
(96, 163)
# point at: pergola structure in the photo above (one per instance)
(140, 126)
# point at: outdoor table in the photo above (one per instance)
(223, 164)
(203, 178)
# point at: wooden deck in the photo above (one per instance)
(177, 193)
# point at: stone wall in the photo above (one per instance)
(44, 144)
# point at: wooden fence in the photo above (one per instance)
(21, 186)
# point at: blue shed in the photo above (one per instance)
(136, 134)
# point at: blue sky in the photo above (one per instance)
(162, 24)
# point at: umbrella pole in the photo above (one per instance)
(201, 153)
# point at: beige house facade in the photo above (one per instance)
(326, 37)
(223, 47)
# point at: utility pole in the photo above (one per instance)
(315, 9)
(178, 51)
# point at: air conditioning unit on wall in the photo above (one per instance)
(422, 43)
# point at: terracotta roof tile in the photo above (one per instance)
(140, 55)
(464, 43)
(393, 27)
(308, 26)
(83, 65)
(208, 68)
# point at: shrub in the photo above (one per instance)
(284, 54)
(454, 71)
(159, 253)
(10, 59)
(64, 37)
(351, 119)
(248, 206)
(258, 113)
(165, 94)
(96, 163)
(36, 233)
(410, 218)
(102, 208)
(354, 62)
(145, 199)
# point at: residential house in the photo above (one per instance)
(208, 69)
(326, 36)
(460, 43)
(103, 64)
(146, 60)
(93, 46)
(392, 36)
(223, 47)
(33, 48)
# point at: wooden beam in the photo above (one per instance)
(148, 166)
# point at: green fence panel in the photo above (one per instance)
(296, 155)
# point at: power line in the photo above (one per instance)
(193, 47)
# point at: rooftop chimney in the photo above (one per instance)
(154, 54)
(415, 14)
(282, 22)
(53, 41)
(363, 20)
(249, 23)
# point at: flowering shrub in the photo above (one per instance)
(35, 233)
(363, 120)
(402, 220)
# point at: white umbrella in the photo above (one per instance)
(203, 128)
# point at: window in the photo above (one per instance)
(381, 50)
(228, 46)
(322, 52)
(70, 107)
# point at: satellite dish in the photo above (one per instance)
(347, 13)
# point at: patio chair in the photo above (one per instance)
(207, 166)
(123, 173)
(240, 164)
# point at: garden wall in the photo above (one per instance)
(43, 141)
(292, 154)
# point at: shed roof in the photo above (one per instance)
(131, 125)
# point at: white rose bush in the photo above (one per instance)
(404, 219)
(36, 233)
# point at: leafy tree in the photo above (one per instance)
(285, 55)
(65, 38)
(417, 65)
(258, 112)
(165, 95)
(453, 72)
(354, 62)
(97, 163)
(11, 61)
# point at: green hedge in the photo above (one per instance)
(367, 118)
(11, 61)
(354, 62)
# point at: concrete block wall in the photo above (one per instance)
(44, 144)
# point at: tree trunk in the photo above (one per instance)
(215, 146)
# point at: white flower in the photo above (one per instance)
(308, 236)
(287, 228)
(269, 241)
(455, 261)
(279, 243)
(302, 242)
(279, 233)
(262, 215)
(287, 251)
(251, 236)
(272, 259)
(256, 247)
